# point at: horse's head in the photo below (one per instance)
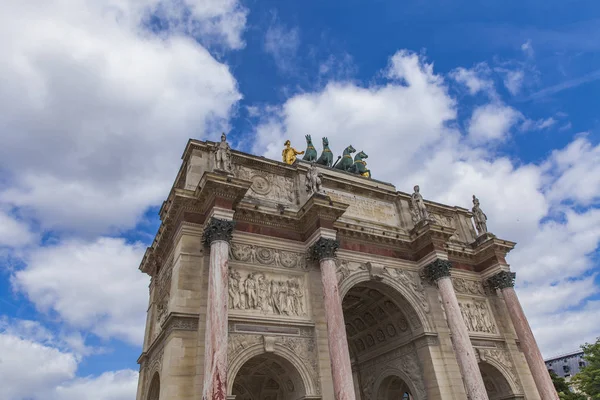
(350, 149)
(325, 142)
(308, 139)
(360, 156)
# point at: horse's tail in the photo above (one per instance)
(336, 161)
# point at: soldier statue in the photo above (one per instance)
(419, 211)
(479, 217)
(313, 180)
(289, 153)
(223, 155)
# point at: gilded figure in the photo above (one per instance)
(289, 153)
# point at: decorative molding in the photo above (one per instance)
(502, 280)
(437, 270)
(426, 341)
(261, 292)
(324, 249)
(411, 281)
(218, 229)
(253, 254)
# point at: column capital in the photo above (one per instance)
(437, 270)
(502, 280)
(323, 249)
(218, 229)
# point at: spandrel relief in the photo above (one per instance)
(266, 293)
(477, 316)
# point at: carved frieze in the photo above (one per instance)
(253, 254)
(477, 316)
(466, 286)
(266, 293)
(267, 185)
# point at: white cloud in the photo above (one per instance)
(541, 124)
(514, 81)
(91, 285)
(527, 48)
(476, 79)
(29, 369)
(32, 367)
(492, 122)
(96, 110)
(282, 44)
(14, 233)
(576, 173)
(407, 126)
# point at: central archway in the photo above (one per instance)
(268, 376)
(380, 326)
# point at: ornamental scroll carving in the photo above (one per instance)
(503, 358)
(266, 256)
(258, 291)
(465, 286)
(267, 185)
(477, 316)
(412, 281)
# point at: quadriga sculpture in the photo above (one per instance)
(346, 162)
(311, 153)
(326, 157)
(360, 165)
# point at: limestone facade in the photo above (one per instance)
(306, 277)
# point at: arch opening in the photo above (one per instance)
(380, 326)
(268, 376)
(496, 384)
(154, 388)
(394, 388)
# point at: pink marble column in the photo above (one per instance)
(439, 272)
(217, 235)
(505, 281)
(341, 370)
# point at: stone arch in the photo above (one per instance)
(416, 308)
(154, 388)
(236, 364)
(391, 373)
(497, 380)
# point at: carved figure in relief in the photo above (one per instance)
(234, 284)
(289, 153)
(419, 211)
(311, 152)
(257, 292)
(223, 155)
(479, 217)
(476, 317)
(313, 180)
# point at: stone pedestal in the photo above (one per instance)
(439, 272)
(217, 235)
(341, 370)
(505, 281)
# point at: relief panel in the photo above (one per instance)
(266, 185)
(252, 254)
(266, 293)
(477, 316)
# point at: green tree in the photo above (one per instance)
(563, 390)
(588, 378)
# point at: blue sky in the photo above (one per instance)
(98, 99)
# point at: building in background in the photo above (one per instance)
(566, 365)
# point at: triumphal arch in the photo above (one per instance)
(311, 279)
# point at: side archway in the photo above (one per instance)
(154, 388)
(392, 384)
(497, 384)
(280, 355)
